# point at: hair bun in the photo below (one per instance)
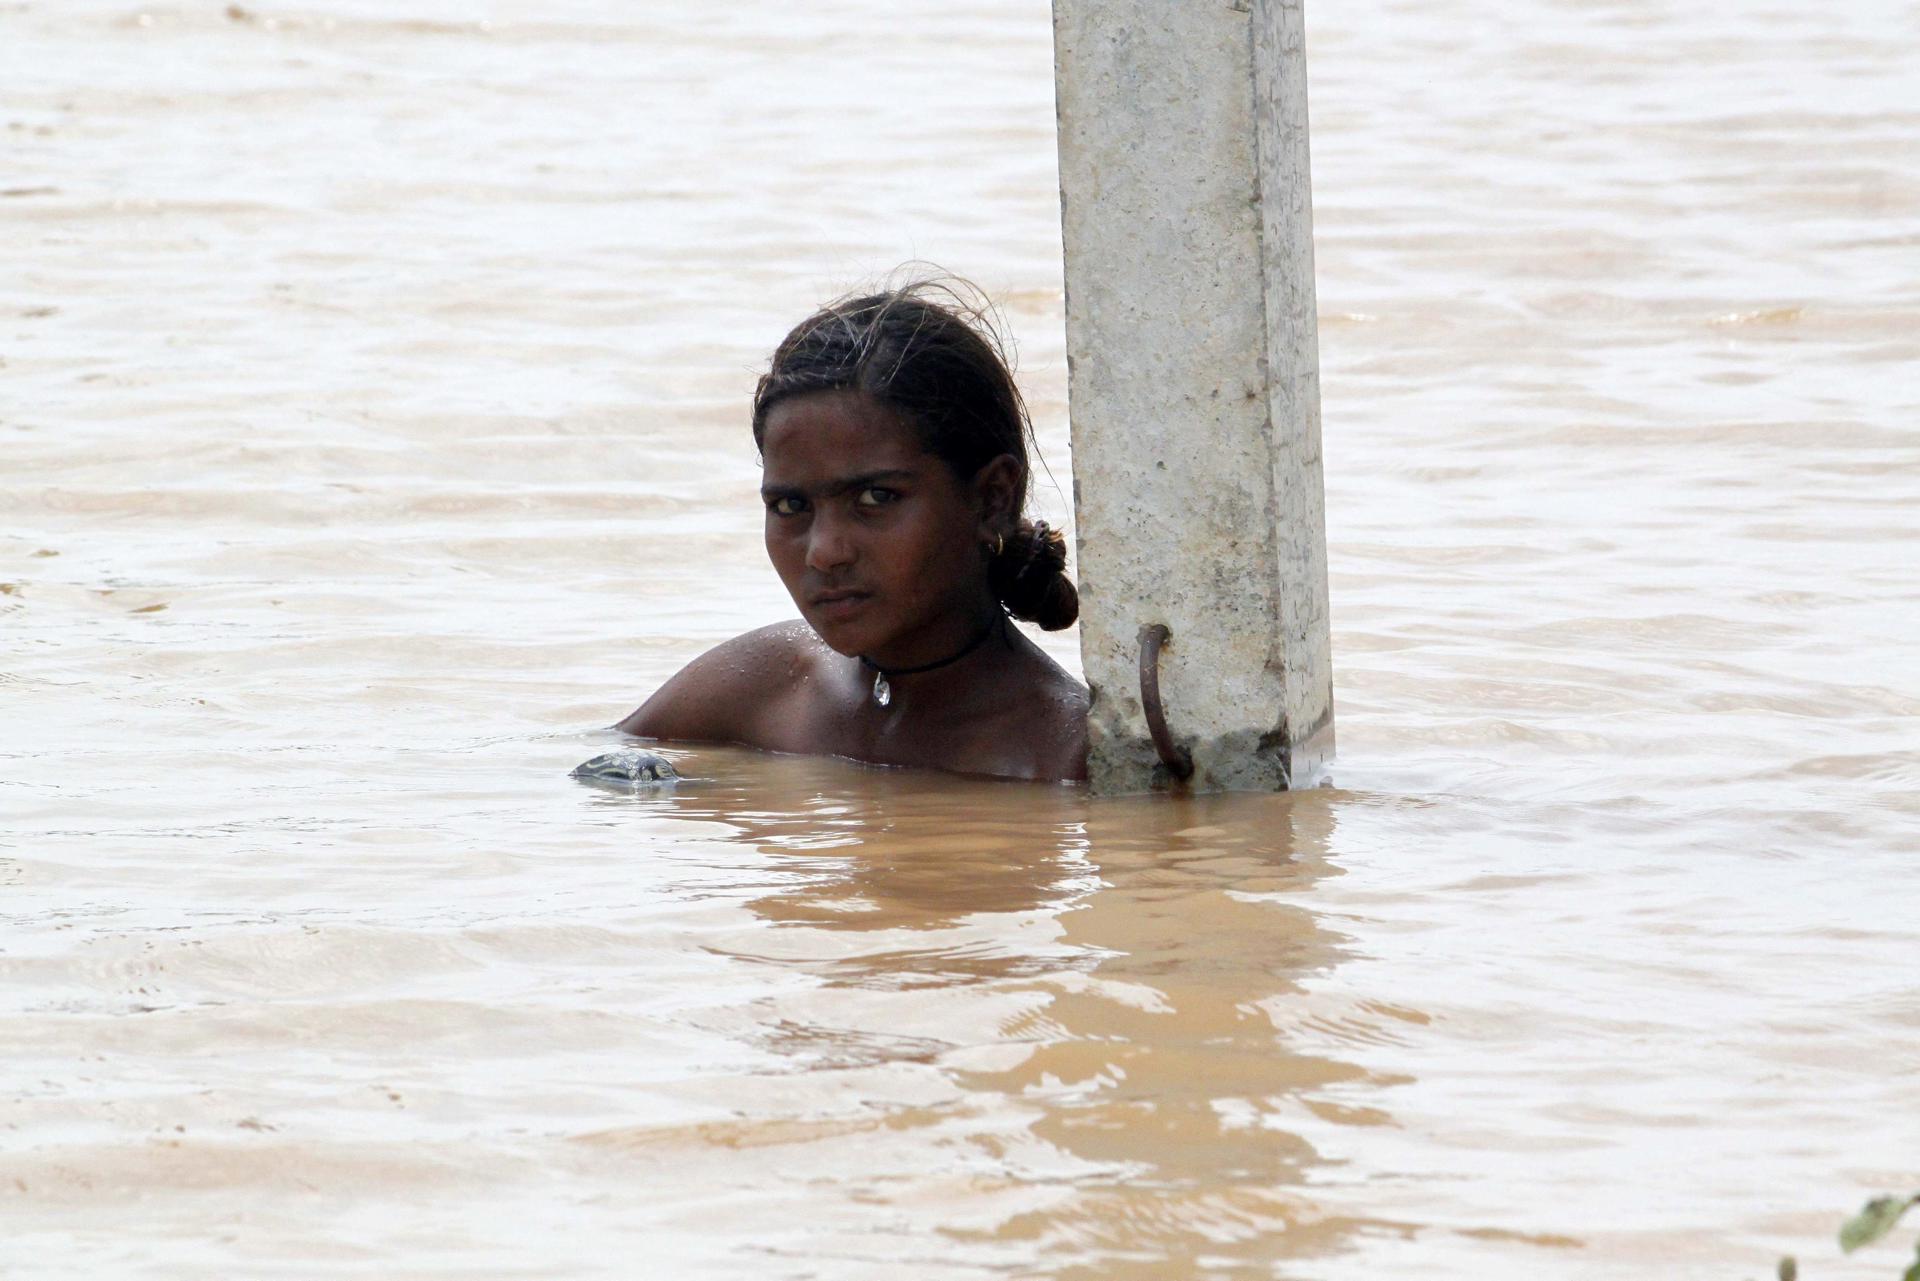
(1030, 577)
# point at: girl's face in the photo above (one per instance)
(877, 541)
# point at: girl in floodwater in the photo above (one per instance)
(895, 475)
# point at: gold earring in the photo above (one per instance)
(999, 545)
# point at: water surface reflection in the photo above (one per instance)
(1100, 987)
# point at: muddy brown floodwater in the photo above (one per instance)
(372, 432)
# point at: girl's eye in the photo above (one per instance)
(874, 496)
(787, 506)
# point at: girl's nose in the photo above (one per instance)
(828, 547)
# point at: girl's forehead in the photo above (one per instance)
(830, 429)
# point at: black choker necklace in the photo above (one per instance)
(883, 676)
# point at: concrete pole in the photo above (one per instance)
(1193, 377)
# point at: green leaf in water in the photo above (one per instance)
(1913, 1273)
(1789, 1270)
(1875, 1220)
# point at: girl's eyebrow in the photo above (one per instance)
(835, 488)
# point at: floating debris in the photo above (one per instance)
(628, 769)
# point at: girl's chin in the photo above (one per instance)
(842, 638)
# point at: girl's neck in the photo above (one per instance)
(937, 649)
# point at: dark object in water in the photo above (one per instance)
(629, 769)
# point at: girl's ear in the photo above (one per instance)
(996, 488)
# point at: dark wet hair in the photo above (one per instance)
(931, 352)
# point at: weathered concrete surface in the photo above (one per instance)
(1194, 383)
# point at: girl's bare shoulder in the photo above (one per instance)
(724, 695)
(1042, 729)
(1061, 744)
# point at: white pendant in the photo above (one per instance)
(882, 692)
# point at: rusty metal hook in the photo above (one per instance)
(1179, 761)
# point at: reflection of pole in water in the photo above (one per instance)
(1072, 1001)
(1160, 1072)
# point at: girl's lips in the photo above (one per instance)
(837, 606)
